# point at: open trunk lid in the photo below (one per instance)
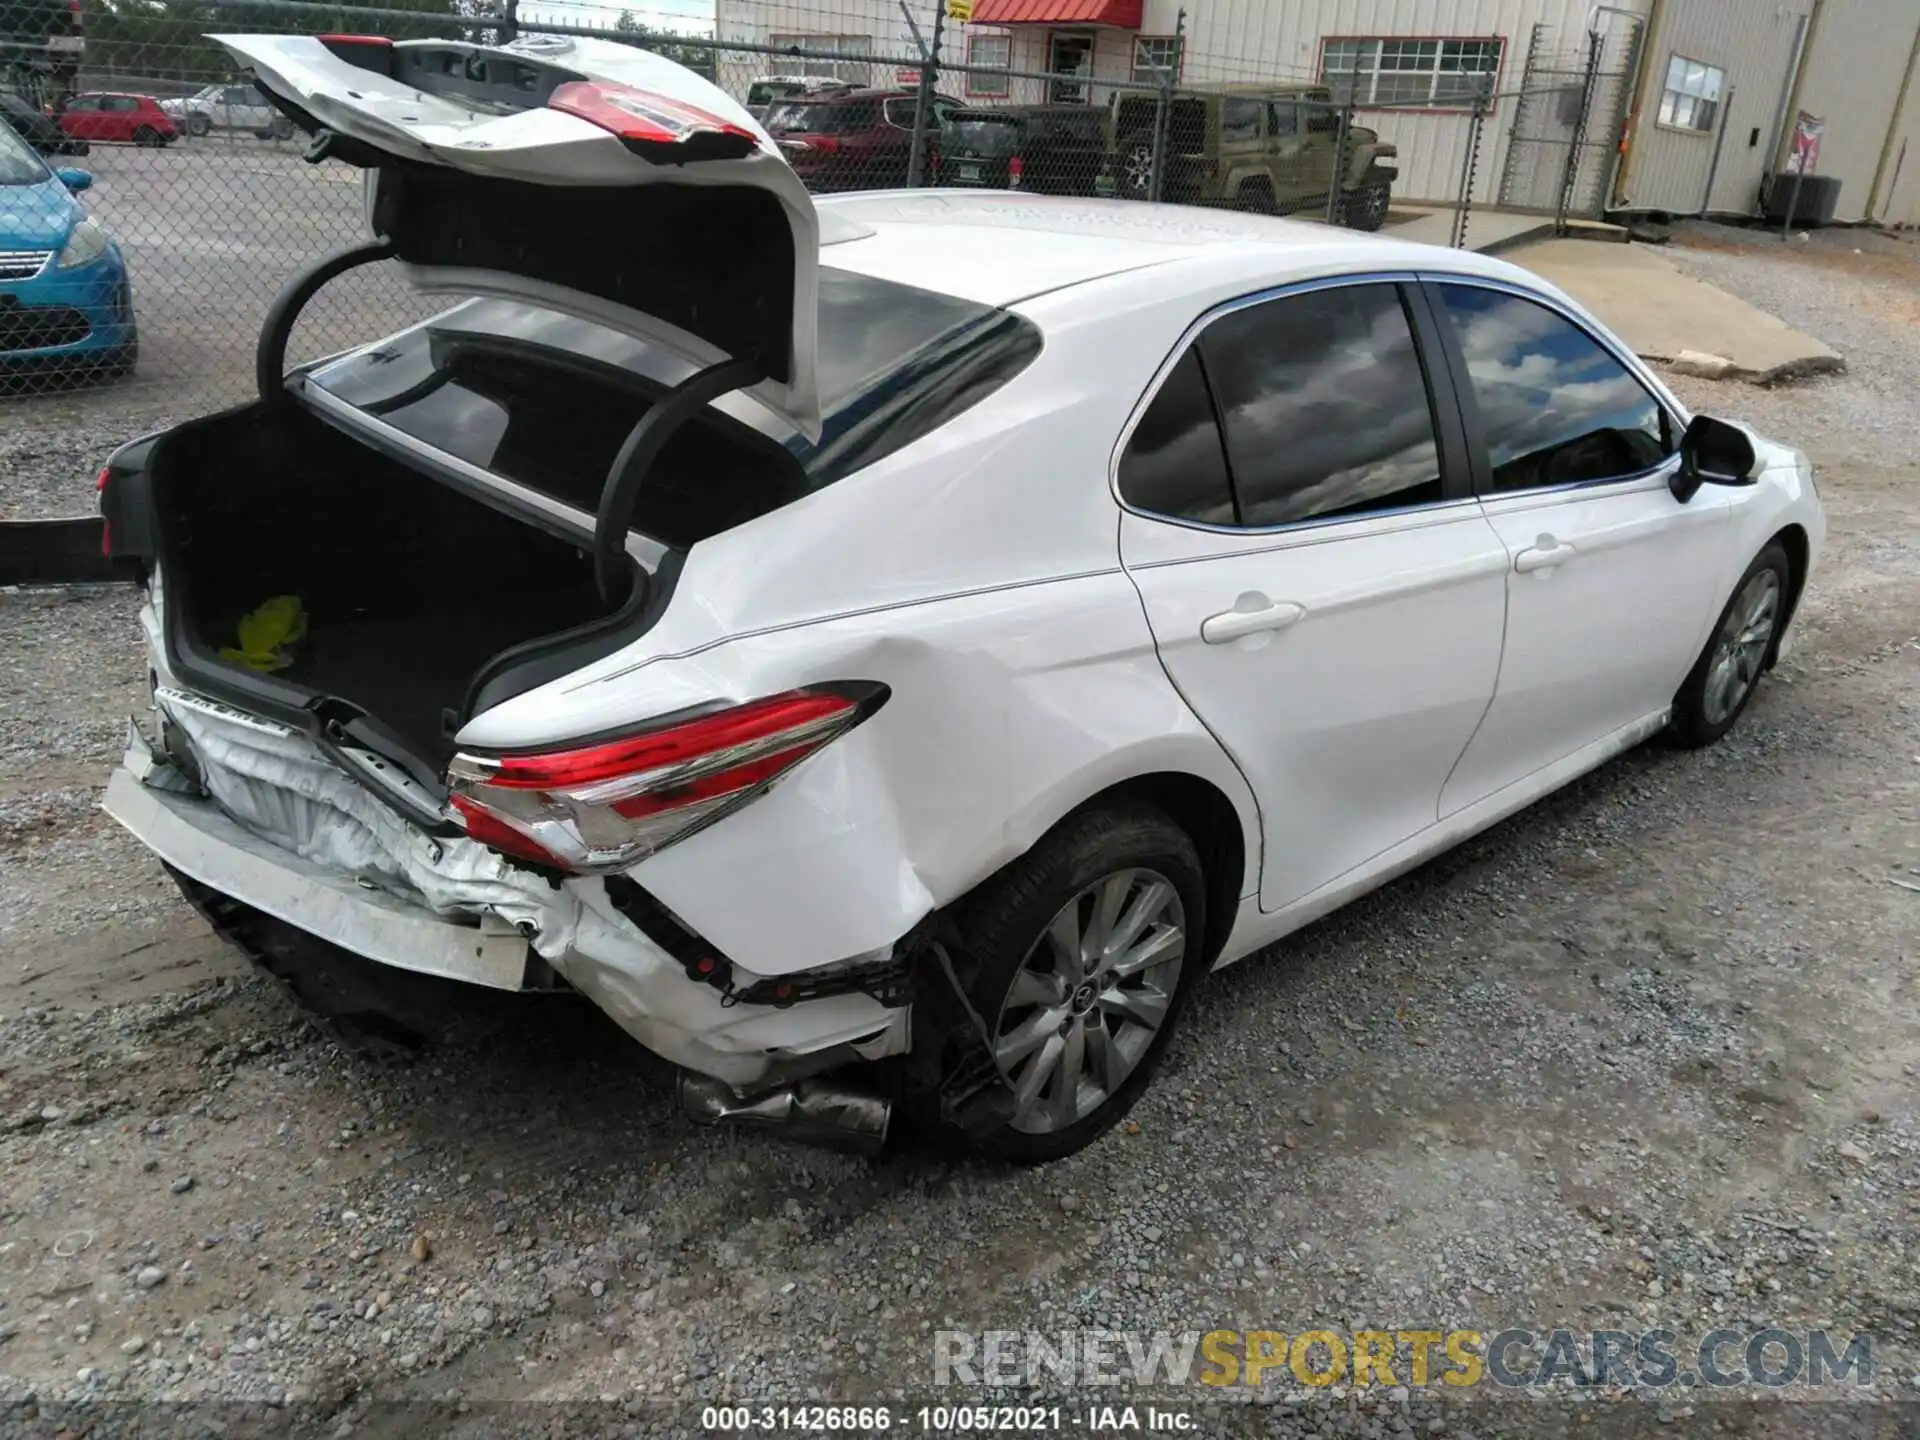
(581, 175)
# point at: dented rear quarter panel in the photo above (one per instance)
(976, 574)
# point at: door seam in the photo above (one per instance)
(1499, 669)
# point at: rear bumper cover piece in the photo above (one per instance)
(280, 827)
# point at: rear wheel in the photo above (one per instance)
(1366, 207)
(1728, 671)
(198, 124)
(373, 1010)
(1255, 197)
(1082, 957)
(1136, 167)
(146, 135)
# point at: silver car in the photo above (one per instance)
(229, 107)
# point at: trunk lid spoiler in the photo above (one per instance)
(578, 174)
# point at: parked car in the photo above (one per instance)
(768, 90)
(122, 119)
(228, 107)
(862, 140)
(36, 127)
(65, 300)
(886, 652)
(1047, 149)
(1253, 147)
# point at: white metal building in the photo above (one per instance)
(1707, 89)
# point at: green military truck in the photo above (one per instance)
(1275, 149)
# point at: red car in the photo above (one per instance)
(129, 119)
(858, 141)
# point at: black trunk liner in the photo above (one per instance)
(406, 670)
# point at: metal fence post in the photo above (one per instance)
(1713, 168)
(1577, 144)
(1162, 111)
(1464, 206)
(923, 100)
(1334, 206)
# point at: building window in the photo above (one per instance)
(854, 71)
(1422, 74)
(1691, 100)
(1155, 58)
(987, 56)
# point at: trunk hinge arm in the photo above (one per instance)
(270, 357)
(642, 447)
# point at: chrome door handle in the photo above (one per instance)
(1545, 553)
(1252, 614)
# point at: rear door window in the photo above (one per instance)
(1325, 404)
(1175, 464)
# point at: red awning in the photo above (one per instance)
(1122, 14)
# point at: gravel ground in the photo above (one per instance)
(1642, 1055)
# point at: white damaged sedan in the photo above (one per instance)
(884, 653)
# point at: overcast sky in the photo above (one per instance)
(694, 16)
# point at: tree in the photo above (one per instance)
(166, 39)
(697, 58)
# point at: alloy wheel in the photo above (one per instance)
(1091, 996)
(1137, 166)
(1740, 650)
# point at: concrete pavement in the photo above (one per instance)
(1667, 316)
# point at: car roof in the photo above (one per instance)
(957, 242)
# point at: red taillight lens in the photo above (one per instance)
(1016, 167)
(106, 530)
(652, 125)
(605, 807)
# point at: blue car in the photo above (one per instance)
(65, 301)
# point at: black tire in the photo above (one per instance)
(1255, 197)
(1366, 208)
(281, 129)
(1701, 714)
(198, 125)
(146, 135)
(372, 1010)
(1007, 919)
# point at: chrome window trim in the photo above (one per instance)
(1187, 339)
(1676, 414)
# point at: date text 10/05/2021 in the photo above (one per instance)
(946, 1419)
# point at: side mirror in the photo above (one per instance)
(75, 180)
(1712, 452)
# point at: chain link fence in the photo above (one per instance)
(200, 203)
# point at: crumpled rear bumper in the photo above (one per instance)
(320, 852)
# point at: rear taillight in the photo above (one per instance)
(606, 806)
(654, 126)
(1016, 167)
(106, 529)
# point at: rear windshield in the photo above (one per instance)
(823, 117)
(546, 399)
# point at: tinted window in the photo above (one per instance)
(1325, 405)
(1174, 464)
(823, 118)
(120, 102)
(1281, 119)
(1557, 408)
(1239, 119)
